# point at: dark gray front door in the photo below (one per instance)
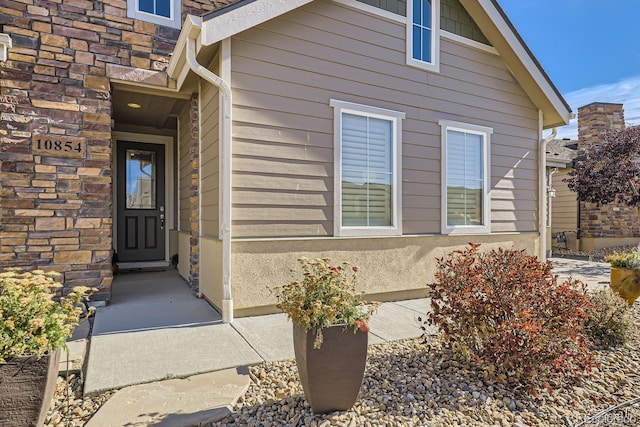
(141, 210)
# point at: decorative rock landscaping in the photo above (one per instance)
(419, 383)
(69, 408)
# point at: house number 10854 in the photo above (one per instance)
(50, 145)
(58, 146)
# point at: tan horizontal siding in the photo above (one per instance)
(284, 74)
(309, 213)
(264, 149)
(209, 159)
(293, 183)
(564, 207)
(184, 173)
(274, 197)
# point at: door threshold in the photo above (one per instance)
(143, 265)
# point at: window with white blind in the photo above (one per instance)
(423, 34)
(465, 178)
(367, 164)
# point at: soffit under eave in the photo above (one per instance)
(531, 78)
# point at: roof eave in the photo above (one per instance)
(177, 68)
(226, 22)
(558, 164)
(245, 14)
(527, 71)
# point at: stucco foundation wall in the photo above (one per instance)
(391, 268)
(174, 247)
(211, 270)
(593, 243)
(184, 243)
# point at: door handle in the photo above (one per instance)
(161, 221)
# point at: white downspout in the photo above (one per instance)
(549, 189)
(542, 223)
(225, 173)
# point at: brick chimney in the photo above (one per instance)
(613, 224)
(597, 118)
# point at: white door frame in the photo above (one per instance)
(168, 142)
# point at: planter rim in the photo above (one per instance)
(35, 356)
(344, 325)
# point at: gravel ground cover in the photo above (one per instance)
(416, 383)
(419, 383)
(596, 255)
(68, 407)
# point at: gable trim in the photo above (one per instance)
(372, 10)
(522, 63)
(233, 19)
(528, 52)
(468, 42)
(490, 17)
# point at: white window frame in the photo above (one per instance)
(434, 64)
(174, 21)
(395, 117)
(485, 132)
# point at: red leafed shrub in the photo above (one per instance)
(506, 311)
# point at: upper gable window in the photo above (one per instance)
(423, 41)
(161, 12)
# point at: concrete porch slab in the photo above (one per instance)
(156, 329)
(123, 359)
(192, 401)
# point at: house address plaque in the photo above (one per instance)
(58, 146)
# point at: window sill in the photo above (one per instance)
(466, 231)
(368, 231)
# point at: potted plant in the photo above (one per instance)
(330, 332)
(35, 323)
(625, 274)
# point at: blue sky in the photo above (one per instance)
(589, 48)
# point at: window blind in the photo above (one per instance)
(367, 171)
(465, 178)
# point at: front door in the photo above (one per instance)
(140, 202)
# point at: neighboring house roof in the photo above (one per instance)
(561, 152)
(241, 15)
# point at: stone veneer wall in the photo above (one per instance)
(610, 221)
(194, 191)
(55, 210)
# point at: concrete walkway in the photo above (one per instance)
(155, 329)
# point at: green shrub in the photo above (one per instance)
(506, 311)
(610, 319)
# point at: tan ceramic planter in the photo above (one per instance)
(626, 283)
(331, 376)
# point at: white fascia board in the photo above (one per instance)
(190, 29)
(244, 17)
(556, 164)
(525, 58)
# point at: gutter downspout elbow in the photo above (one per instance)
(225, 173)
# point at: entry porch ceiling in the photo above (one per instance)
(156, 111)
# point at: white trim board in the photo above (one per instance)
(168, 142)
